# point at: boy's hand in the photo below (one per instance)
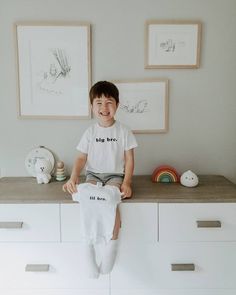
(126, 190)
(70, 186)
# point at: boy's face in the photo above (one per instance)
(104, 109)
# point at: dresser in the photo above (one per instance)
(173, 240)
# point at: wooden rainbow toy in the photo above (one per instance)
(165, 174)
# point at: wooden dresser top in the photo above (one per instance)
(211, 188)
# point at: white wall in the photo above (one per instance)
(202, 134)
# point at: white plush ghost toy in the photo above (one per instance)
(189, 179)
(43, 168)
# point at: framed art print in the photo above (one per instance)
(53, 62)
(172, 44)
(143, 105)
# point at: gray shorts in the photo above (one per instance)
(105, 178)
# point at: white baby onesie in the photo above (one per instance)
(97, 211)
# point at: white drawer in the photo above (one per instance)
(139, 222)
(174, 292)
(70, 223)
(187, 222)
(29, 222)
(149, 266)
(65, 267)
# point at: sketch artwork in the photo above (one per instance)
(168, 46)
(172, 45)
(56, 70)
(143, 105)
(53, 69)
(140, 106)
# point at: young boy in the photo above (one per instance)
(107, 150)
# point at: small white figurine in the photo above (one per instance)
(189, 179)
(42, 170)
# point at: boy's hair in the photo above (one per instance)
(105, 88)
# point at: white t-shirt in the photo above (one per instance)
(105, 147)
(97, 211)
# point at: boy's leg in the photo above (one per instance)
(91, 268)
(117, 225)
(111, 248)
(116, 182)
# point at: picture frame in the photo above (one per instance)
(53, 69)
(172, 44)
(144, 105)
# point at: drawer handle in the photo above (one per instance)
(208, 223)
(183, 267)
(37, 267)
(11, 224)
